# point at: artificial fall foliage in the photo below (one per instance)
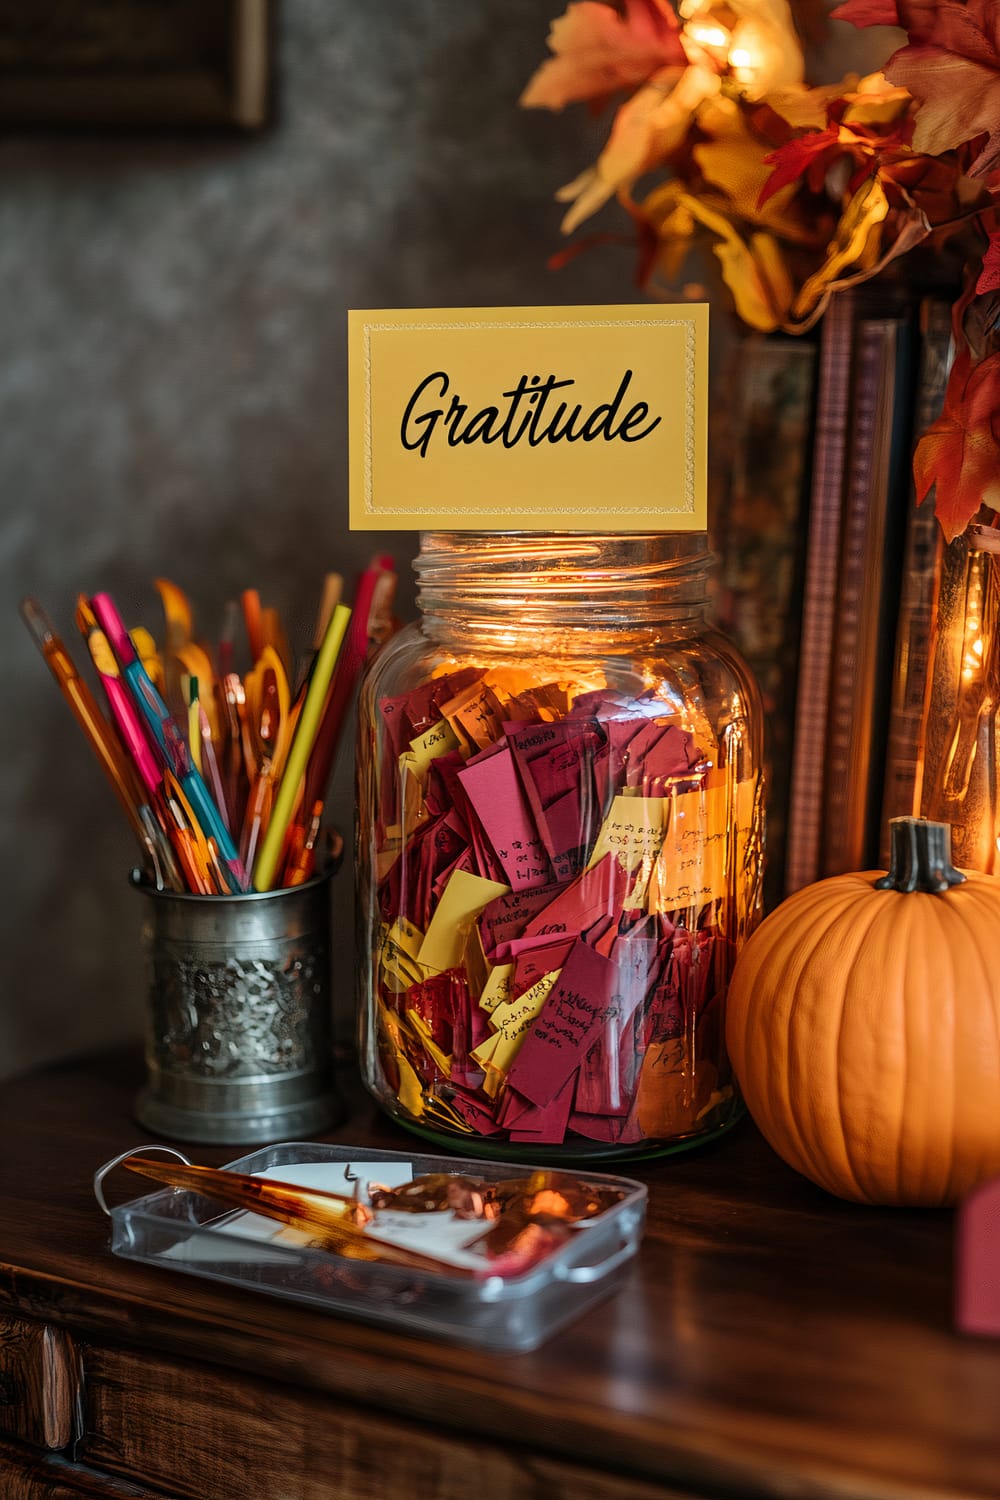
(802, 188)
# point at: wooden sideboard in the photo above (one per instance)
(768, 1341)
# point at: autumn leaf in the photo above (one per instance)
(859, 221)
(951, 66)
(735, 160)
(752, 268)
(599, 50)
(989, 276)
(647, 129)
(806, 108)
(959, 456)
(867, 13)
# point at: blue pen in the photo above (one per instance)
(168, 738)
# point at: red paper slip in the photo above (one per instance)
(576, 1012)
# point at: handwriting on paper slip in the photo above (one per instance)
(494, 790)
(633, 832)
(512, 1020)
(581, 1004)
(440, 739)
(497, 989)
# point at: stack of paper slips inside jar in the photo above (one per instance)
(559, 875)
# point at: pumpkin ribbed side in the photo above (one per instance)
(864, 1030)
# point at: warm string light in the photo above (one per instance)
(709, 39)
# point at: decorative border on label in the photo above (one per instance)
(690, 343)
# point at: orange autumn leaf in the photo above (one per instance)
(959, 456)
(599, 50)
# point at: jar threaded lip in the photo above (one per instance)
(570, 582)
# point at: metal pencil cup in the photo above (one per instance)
(239, 1023)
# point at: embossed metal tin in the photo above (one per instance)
(238, 1021)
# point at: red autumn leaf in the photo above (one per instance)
(599, 50)
(989, 276)
(959, 456)
(951, 66)
(797, 158)
(867, 13)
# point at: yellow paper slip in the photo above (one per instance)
(496, 990)
(438, 740)
(633, 832)
(397, 955)
(513, 1019)
(463, 899)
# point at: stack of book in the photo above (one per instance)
(821, 537)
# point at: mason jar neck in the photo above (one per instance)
(562, 591)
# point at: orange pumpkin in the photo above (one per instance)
(863, 1024)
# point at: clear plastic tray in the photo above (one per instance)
(184, 1231)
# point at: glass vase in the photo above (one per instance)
(960, 729)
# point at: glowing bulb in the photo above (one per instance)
(708, 36)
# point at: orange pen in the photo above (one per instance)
(95, 726)
(108, 747)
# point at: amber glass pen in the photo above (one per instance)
(335, 1221)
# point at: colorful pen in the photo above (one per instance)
(168, 737)
(107, 747)
(302, 744)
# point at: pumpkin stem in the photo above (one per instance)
(919, 857)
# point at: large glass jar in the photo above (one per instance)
(559, 847)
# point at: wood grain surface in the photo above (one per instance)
(39, 1383)
(770, 1341)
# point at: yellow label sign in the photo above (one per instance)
(529, 419)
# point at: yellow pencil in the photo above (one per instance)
(298, 755)
(194, 723)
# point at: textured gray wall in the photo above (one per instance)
(173, 400)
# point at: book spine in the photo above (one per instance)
(759, 536)
(918, 595)
(868, 594)
(820, 595)
(851, 712)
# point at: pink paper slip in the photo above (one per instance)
(576, 1012)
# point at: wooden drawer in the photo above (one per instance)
(40, 1396)
(211, 1434)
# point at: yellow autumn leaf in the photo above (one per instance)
(859, 221)
(733, 159)
(673, 224)
(764, 50)
(647, 129)
(805, 108)
(875, 101)
(753, 269)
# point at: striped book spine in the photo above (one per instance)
(805, 815)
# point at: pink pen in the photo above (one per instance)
(125, 716)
